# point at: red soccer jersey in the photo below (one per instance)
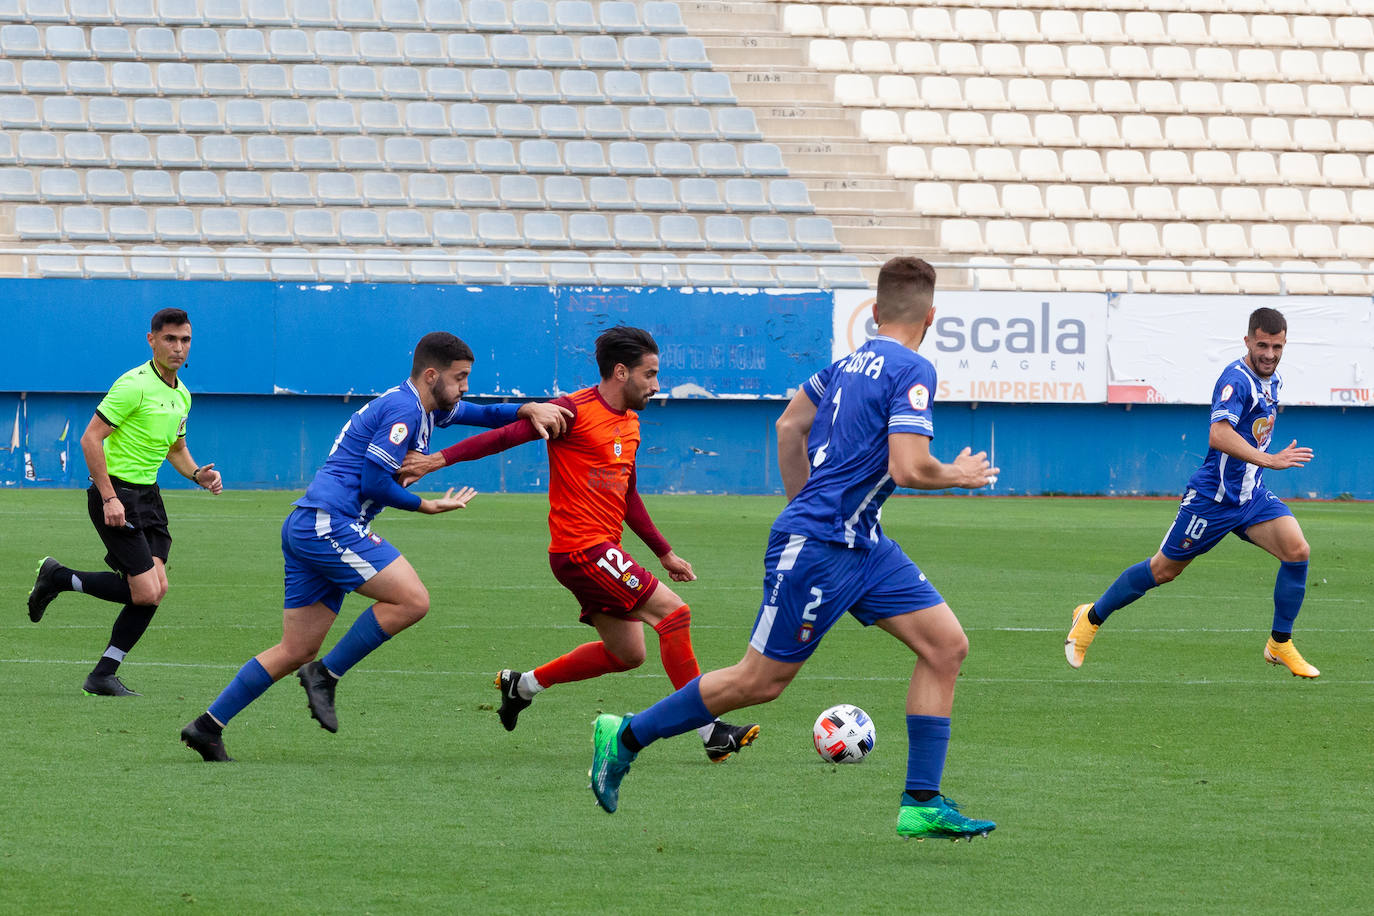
(590, 467)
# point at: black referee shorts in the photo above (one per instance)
(131, 549)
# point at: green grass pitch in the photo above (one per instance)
(1175, 772)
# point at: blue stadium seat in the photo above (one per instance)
(536, 86)
(580, 87)
(655, 194)
(496, 229)
(661, 16)
(450, 155)
(668, 87)
(616, 268)
(20, 41)
(575, 16)
(152, 262)
(447, 85)
(540, 157)
(290, 46)
(404, 154)
(85, 150)
(67, 41)
(512, 51)
(468, 50)
(620, 17)
(93, 12)
(492, 86)
(719, 159)
(199, 188)
(156, 44)
(763, 159)
(798, 276)
(60, 186)
(86, 78)
(565, 192)
(610, 193)
(532, 16)
(358, 82)
(429, 190)
(520, 192)
(543, 229)
(335, 116)
(200, 116)
(380, 118)
(154, 115)
(315, 226)
(300, 270)
(771, 233)
(424, 49)
(745, 195)
(199, 268)
(605, 122)
(585, 157)
(642, 52)
(516, 121)
(629, 157)
(338, 189)
(196, 44)
(106, 265)
(479, 271)
(222, 225)
(131, 224)
(577, 273)
(179, 12)
(555, 52)
(625, 86)
(241, 188)
(401, 15)
(680, 231)
(685, 53)
(18, 112)
(701, 194)
(693, 124)
(380, 48)
(242, 45)
(403, 83)
(426, 118)
(712, 88)
(842, 272)
(40, 76)
(7, 155)
(489, 16)
(222, 79)
(378, 270)
(33, 221)
(452, 228)
(220, 152)
(474, 191)
(339, 270)
(245, 116)
(707, 270)
(497, 155)
(589, 230)
(726, 233)
(176, 224)
(109, 41)
(357, 14)
(335, 47)
(227, 12)
(789, 196)
(650, 122)
(653, 274)
(635, 230)
(737, 124)
(361, 227)
(442, 15)
(435, 271)
(600, 52)
(285, 116)
(153, 186)
(107, 186)
(9, 77)
(383, 189)
(40, 148)
(359, 153)
(292, 189)
(177, 151)
(563, 121)
(313, 80)
(64, 112)
(674, 158)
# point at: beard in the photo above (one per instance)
(441, 402)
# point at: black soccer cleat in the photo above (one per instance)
(319, 687)
(726, 739)
(512, 703)
(44, 589)
(207, 744)
(106, 685)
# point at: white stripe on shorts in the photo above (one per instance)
(759, 639)
(789, 553)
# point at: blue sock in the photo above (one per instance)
(250, 683)
(365, 635)
(1289, 588)
(675, 714)
(1130, 585)
(927, 742)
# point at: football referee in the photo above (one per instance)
(141, 421)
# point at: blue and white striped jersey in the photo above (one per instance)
(382, 431)
(1250, 404)
(880, 388)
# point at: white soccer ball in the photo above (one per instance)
(843, 734)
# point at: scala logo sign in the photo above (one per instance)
(1043, 333)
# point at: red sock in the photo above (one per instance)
(586, 661)
(675, 646)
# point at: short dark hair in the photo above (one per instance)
(622, 345)
(906, 290)
(437, 350)
(169, 316)
(1270, 321)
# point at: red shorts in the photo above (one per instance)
(604, 578)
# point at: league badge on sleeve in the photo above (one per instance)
(399, 431)
(919, 396)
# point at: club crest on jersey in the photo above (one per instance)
(631, 580)
(1227, 392)
(617, 448)
(919, 396)
(398, 433)
(805, 632)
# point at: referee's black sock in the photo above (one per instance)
(128, 628)
(106, 586)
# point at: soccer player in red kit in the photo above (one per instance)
(592, 496)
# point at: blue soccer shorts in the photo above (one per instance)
(810, 584)
(326, 557)
(1201, 523)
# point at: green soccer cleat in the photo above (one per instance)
(610, 760)
(939, 819)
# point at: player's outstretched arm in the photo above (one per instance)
(453, 499)
(793, 427)
(1223, 437)
(417, 464)
(912, 465)
(549, 418)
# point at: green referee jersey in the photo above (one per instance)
(149, 416)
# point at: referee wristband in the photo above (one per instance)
(108, 498)
(195, 475)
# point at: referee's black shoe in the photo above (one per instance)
(319, 687)
(44, 589)
(512, 703)
(106, 685)
(207, 744)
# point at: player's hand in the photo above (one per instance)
(417, 465)
(1294, 456)
(114, 513)
(453, 499)
(550, 420)
(679, 570)
(973, 470)
(209, 479)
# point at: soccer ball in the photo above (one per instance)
(843, 734)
